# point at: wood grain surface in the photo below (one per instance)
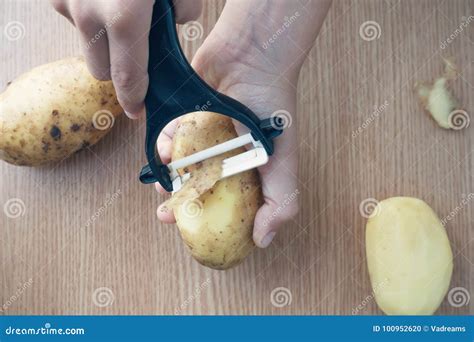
(59, 253)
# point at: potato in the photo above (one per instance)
(218, 225)
(53, 111)
(409, 257)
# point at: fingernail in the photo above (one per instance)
(267, 239)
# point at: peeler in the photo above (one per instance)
(175, 89)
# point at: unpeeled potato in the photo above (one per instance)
(53, 111)
(409, 257)
(217, 226)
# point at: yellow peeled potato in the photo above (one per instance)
(409, 257)
(53, 111)
(217, 226)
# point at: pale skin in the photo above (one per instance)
(250, 55)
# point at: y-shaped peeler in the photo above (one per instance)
(175, 90)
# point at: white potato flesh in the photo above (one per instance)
(409, 257)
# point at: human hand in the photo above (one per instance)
(115, 41)
(233, 61)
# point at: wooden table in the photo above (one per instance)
(136, 265)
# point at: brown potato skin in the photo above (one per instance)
(47, 114)
(214, 242)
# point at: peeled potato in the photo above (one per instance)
(217, 225)
(53, 111)
(409, 257)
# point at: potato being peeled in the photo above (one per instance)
(409, 257)
(215, 218)
(53, 111)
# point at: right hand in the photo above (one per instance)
(114, 34)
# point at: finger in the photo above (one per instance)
(280, 192)
(128, 49)
(95, 47)
(165, 141)
(165, 215)
(94, 39)
(164, 146)
(160, 189)
(186, 10)
(62, 7)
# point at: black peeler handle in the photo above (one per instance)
(175, 90)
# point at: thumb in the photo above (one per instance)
(281, 194)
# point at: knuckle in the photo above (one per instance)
(83, 21)
(124, 80)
